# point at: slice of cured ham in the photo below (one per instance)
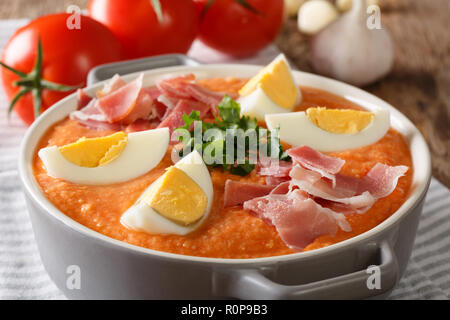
(89, 112)
(173, 87)
(382, 179)
(124, 103)
(297, 218)
(82, 99)
(90, 116)
(237, 192)
(274, 167)
(317, 198)
(112, 85)
(316, 161)
(204, 95)
(312, 183)
(358, 194)
(170, 103)
(154, 92)
(160, 109)
(282, 188)
(183, 87)
(144, 108)
(274, 181)
(175, 117)
(117, 105)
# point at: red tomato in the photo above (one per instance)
(136, 25)
(230, 27)
(68, 55)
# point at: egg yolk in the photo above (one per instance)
(95, 152)
(177, 197)
(276, 82)
(341, 121)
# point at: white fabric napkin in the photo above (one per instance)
(22, 275)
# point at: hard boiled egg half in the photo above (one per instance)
(178, 202)
(272, 90)
(105, 160)
(330, 129)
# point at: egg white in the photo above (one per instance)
(257, 104)
(144, 150)
(296, 129)
(141, 217)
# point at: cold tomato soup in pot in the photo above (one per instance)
(211, 211)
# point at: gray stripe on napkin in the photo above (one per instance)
(428, 272)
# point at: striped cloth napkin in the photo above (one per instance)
(22, 275)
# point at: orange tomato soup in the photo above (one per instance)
(227, 232)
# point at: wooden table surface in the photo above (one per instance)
(419, 84)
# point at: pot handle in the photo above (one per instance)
(252, 284)
(106, 71)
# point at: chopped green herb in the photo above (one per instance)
(230, 130)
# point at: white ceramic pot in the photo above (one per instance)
(111, 269)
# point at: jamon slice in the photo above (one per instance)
(175, 117)
(82, 99)
(118, 104)
(237, 192)
(298, 219)
(111, 85)
(89, 112)
(316, 161)
(382, 179)
(124, 103)
(204, 95)
(183, 87)
(144, 109)
(317, 198)
(357, 194)
(312, 183)
(173, 87)
(274, 167)
(274, 181)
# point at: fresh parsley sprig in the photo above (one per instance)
(229, 125)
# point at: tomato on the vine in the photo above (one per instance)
(142, 31)
(240, 27)
(44, 60)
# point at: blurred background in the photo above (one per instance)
(418, 84)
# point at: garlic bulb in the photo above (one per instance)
(292, 6)
(345, 5)
(350, 51)
(314, 15)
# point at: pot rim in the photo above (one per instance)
(415, 140)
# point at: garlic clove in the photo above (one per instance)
(349, 51)
(314, 15)
(292, 7)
